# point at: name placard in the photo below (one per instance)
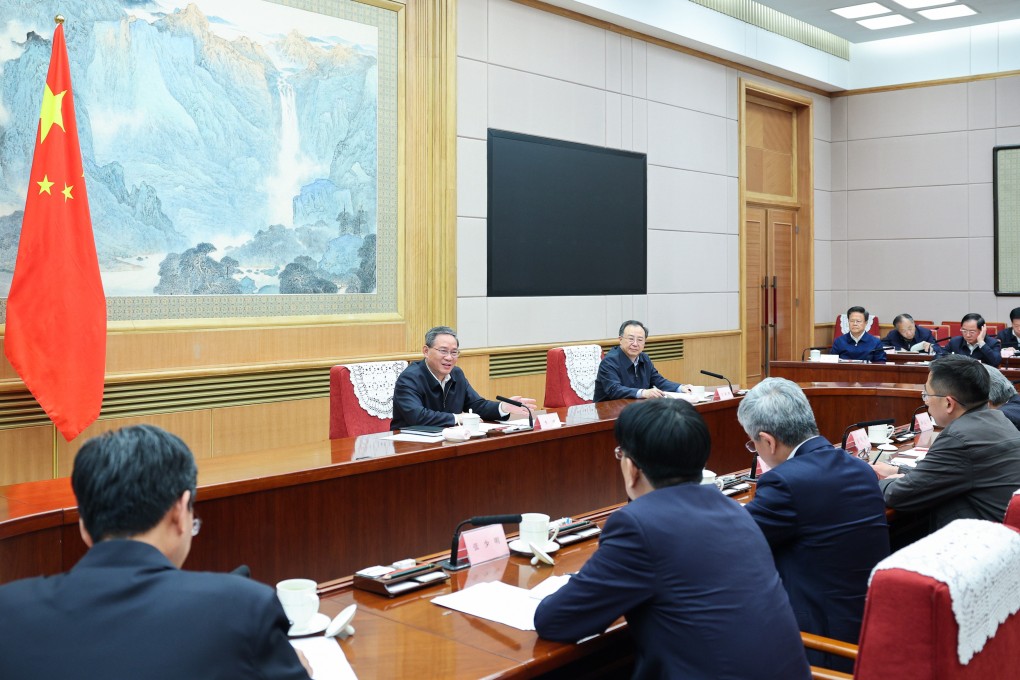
(860, 440)
(548, 421)
(924, 422)
(484, 544)
(722, 393)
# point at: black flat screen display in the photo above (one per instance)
(565, 218)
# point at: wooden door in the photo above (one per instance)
(769, 311)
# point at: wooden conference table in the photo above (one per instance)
(323, 510)
(898, 371)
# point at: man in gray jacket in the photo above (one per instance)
(972, 469)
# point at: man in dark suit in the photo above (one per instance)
(820, 510)
(1002, 396)
(626, 372)
(905, 336)
(1009, 337)
(126, 610)
(434, 391)
(972, 341)
(972, 469)
(686, 565)
(857, 344)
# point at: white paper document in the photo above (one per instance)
(548, 587)
(326, 658)
(499, 602)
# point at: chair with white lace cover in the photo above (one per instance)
(570, 375)
(944, 607)
(361, 397)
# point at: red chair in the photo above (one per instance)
(940, 332)
(562, 389)
(910, 629)
(993, 328)
(362, 404)
(954, 327)
(1013, 511)
(842, 327)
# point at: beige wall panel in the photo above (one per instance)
(719, 354)
(240, 429)
(183, 349)
(26, 454)
(476, 368)
(191, 426)
(532, 386)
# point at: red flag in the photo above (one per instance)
(56, 311)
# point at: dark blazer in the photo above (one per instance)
(901, 344)
(869, 348)
(990, 353)
(617, 378)
(1007, 339)
(124, 612)
(418, 399)
(694, 577)
(970, 472)
(1011, 409)
(824, 518)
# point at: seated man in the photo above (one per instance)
(686, 566)
(972, 341)
(972, 469)
(127, 610)
(1009, 337)
(627, 372)
(906, 337)
(434, 391)
(1002, 395)
(858, 344)
(820, 510)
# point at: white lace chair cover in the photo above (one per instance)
(583, 368)
(373, 385)
(844, 324)
(980, 563)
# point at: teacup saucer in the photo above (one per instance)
(519, 546)
(316, 624)
(879, 442)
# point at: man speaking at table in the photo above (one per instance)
(434, 391)
(627, 372)
(820, 510)
(686, 565)
(127, 610)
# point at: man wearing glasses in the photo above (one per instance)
(126, 610)
(434, 391)
(972, 341)
(972, 469)
(627, 372)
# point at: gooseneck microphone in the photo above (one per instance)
(454, 563)
(514, 402)
(720, 377)
(913, 418)
(865, 424)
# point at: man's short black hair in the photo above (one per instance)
(633, 322)
(1014, 314)
(973, 317)
(126, 480)
(666, 438)
(858, 310)
(960, 377)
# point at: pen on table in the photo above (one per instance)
(405, 572)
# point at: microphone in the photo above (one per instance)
(513, 402)
(809, 349)
(866, 424)
(720, 377)
(454, 563)
(913, 418)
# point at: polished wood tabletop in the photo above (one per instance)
(912, 371)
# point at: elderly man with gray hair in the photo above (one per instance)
(820, 510)
(1002, 395)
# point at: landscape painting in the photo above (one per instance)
(230, 149)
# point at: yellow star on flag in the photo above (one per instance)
(44, 185)
(67, 192)
(51, 113)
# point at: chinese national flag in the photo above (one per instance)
(56, 312)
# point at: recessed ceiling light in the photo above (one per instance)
(916, 4)
(868, 9)
(885, 22)
(947, 12)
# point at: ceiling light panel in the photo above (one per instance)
(917, 4)
(868, 9)
(952, 12)
(878, 23)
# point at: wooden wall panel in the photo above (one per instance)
(717, 353)
(242, 429)
(191, 426)
(26, 454)
(532, 386)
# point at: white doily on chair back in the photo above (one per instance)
(583, 368)
(844, 324)
(373, 385)
(978, 560)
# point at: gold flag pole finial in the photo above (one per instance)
(59, 18)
